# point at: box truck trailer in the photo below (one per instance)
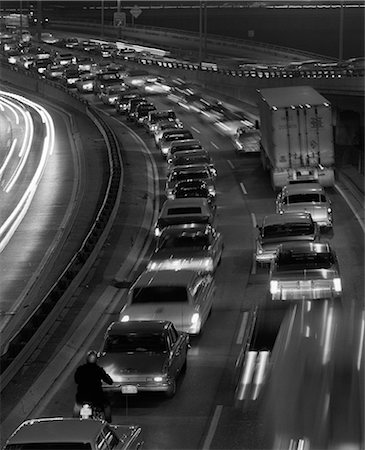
(296, 135)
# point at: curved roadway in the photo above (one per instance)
(203, 412)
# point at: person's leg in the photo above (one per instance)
(76, 410)
(107, 411)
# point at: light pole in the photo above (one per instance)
(102, 18)
(200, 31)
(340, 40)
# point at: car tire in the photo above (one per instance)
(172, 389)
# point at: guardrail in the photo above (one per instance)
(39, 322)
(177, 40)
(252, 73)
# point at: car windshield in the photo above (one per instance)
(187, 241)
(304, 198)
(290, 260)
(50, 446)
(136, 342)
(288, 229)
(160, 294)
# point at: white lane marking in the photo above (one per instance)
(214, 145)
(195, 129)
(212, 427)
(243, 188)
(242, 328)
(254, 224)
(254, 221)
(230, 163)
(351, 207)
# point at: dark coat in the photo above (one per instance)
(88, 378)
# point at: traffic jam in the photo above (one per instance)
(169, 303)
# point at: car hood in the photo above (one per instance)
(133, 363)
(307, 274)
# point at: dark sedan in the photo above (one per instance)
(143, 356)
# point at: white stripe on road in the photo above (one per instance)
(243, 188)
(213, 427)
(242, 328)
(214, 145)
(351, 207)
(254, 266)
(254, 221)
(230, 164)
(195, 129)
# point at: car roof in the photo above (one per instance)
(278, 219)
(57, 429)
(132, 326)
(166, 278)
(299, 188)
(305, 247)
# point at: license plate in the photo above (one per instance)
(129, 389)
(305, 284)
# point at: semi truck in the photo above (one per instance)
(296, 135)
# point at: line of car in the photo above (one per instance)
(175, 291)
(302, 265)
(146, 350)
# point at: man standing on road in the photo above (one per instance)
(88, 378)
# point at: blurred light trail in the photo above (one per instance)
(12, 222)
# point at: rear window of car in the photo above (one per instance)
(136, 342)
(304, 198)
(301, 261)
(173, 136)
(160, 294)
(50, 446)
(184, 211)
(288, 229)
(192, 175)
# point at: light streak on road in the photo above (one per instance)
(12, 222)
(8, 157)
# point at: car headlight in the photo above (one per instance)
(125, 318)
(157, 232)
(164, 150)
(158, 378)
(211, 190)
(195, 318)
(337, 284)
(274, 287)
(329, 210)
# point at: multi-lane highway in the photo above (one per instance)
(204, 413)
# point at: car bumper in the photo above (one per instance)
(139, 386)
(265, 257)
